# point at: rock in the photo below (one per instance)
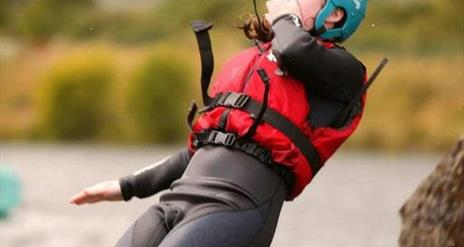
(434, 215)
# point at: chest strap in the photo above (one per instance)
(231, 140)
(273, 118)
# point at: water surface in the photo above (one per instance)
(353, 202)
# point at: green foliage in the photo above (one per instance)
(158, 97)
(40, 20)
(420, 26)
(4, 9)
(172, 15)
(128, 28)
(73, 99)
(415, 104)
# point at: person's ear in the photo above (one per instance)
(336, 16)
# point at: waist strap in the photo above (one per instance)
(215, 137)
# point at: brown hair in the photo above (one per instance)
(255, 29)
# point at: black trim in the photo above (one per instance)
(127, 191)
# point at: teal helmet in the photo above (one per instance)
(355, 11)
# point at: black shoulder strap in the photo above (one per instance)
(341, 118)
(201, 29)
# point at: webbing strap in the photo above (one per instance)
(206, 54)
(252, 130)
(191, 114)
(231, 140)
(275, 119)
(215, 137)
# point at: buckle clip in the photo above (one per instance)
(200, 26)
(234, 100)
(221, 138)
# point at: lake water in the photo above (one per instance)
(353, 202)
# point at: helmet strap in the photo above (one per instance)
(316, 32)
(255, 8)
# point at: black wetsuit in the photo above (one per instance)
(224, 197)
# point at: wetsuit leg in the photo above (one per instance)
(151, 227)
(229, 228)
(229, 198)
(225, 198)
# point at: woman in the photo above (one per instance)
(272, 123)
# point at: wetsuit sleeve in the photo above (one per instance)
(334, 73)
(154, 178)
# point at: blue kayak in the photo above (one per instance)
(10, 191)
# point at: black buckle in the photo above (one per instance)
(200, 26)
(221, 138)
(234, 100)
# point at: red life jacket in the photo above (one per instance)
(258, 109)
(287, 97)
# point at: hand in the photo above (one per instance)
(278, 8)
(103, 191)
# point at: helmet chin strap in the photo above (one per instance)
(255, 6)
(317, 32)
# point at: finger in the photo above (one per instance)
(268, 17)
(86, 195)
(79, 198)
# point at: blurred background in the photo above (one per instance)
(94, 89)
